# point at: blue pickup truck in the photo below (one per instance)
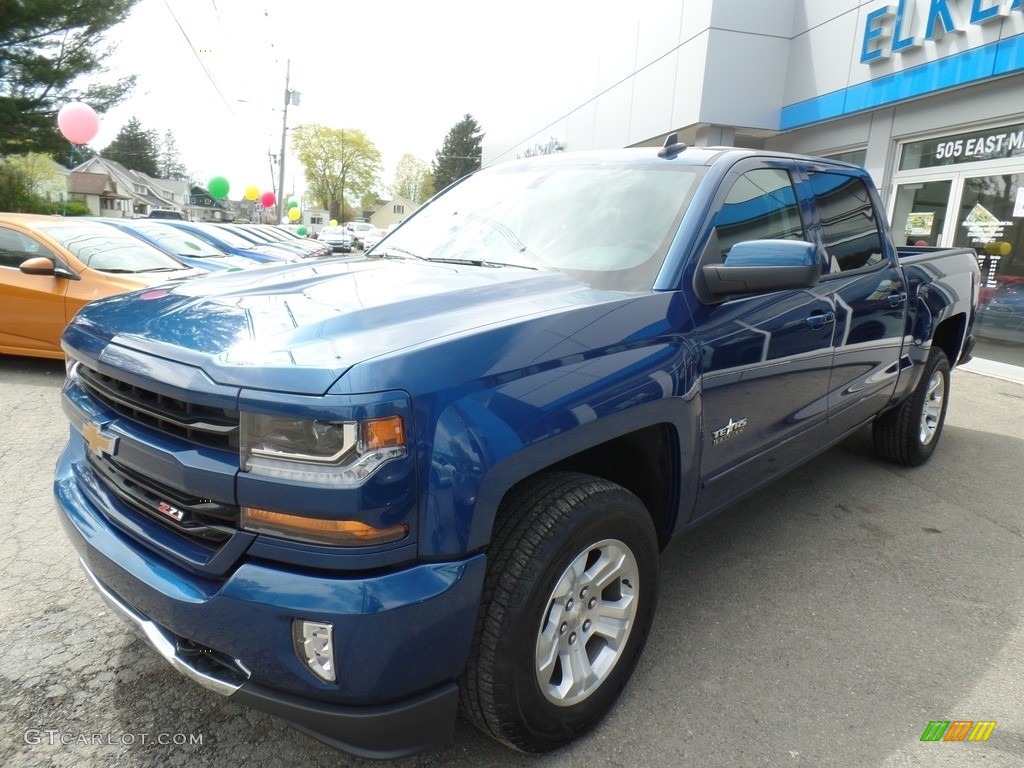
(365, 494)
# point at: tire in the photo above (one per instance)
(909, 433)
(573, 581)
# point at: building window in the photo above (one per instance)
(399, 208)
(855, 156)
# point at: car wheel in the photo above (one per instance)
(567, 606)
(909, 433)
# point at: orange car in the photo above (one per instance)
(50, 266)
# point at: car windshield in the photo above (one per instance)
(607, 226)
(107, 250)
(336, 231)
(225, 236)
(178, 242)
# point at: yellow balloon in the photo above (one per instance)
(294, 214)
(334, 222)
(998, 248)
(251, 193)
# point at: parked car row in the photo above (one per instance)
(51, 266)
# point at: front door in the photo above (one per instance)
(766, 359)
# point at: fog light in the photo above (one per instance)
(314, 645)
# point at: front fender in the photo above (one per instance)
(488, 441)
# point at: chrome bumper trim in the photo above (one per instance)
(163, 642)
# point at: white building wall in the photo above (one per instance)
(618, 75)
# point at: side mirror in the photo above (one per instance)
(40, 265)
(760, 266)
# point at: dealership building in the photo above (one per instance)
(928, 95)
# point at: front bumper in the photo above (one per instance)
(402, 637)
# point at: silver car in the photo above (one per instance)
(339, 238)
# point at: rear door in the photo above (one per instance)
(866, 287)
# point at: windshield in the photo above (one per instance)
(178, 242)
(225, 236)
(607, 226)
(107, 250)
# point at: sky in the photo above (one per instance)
(403, 72)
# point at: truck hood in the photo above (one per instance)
(298, 328)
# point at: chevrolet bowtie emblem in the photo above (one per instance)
(98, 442)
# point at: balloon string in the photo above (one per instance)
(71, 160)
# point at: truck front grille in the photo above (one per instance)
(201, 519)
(201, 424)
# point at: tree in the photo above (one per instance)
(170, 160)
(26, 183)
(338, 163)
(135, 149)
(41, 177)
(460, 153)
(14, 189)
(412, 179)
(45, 47)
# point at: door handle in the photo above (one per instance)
(821, 319)
(896, 299)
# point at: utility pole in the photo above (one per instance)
(284, 136)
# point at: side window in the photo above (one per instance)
(848, 225)
(16, 247)
(761, 205)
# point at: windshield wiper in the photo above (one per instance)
(386, 253)
(478, 262)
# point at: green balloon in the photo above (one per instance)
(218, 187)
(293, 203)
(302, 230)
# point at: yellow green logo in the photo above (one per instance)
(958, 730)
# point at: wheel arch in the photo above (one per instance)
(950, 336)
(646, 457)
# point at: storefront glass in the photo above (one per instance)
(991, 212)
(921, 212)
(967, 189)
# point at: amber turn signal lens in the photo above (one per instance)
(382, 433)
(318, 530)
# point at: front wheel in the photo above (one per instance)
(909, 433)
(568, 603)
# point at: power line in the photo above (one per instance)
(200, 60)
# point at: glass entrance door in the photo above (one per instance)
(967, 190)
(990, 219)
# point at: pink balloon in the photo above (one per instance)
(78, 122)
(267, 199)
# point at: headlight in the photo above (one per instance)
(322, 452)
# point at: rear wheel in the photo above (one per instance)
(908, 434)
(568, 603)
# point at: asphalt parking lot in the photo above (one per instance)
(826, 621)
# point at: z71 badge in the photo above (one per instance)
(729, 431)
